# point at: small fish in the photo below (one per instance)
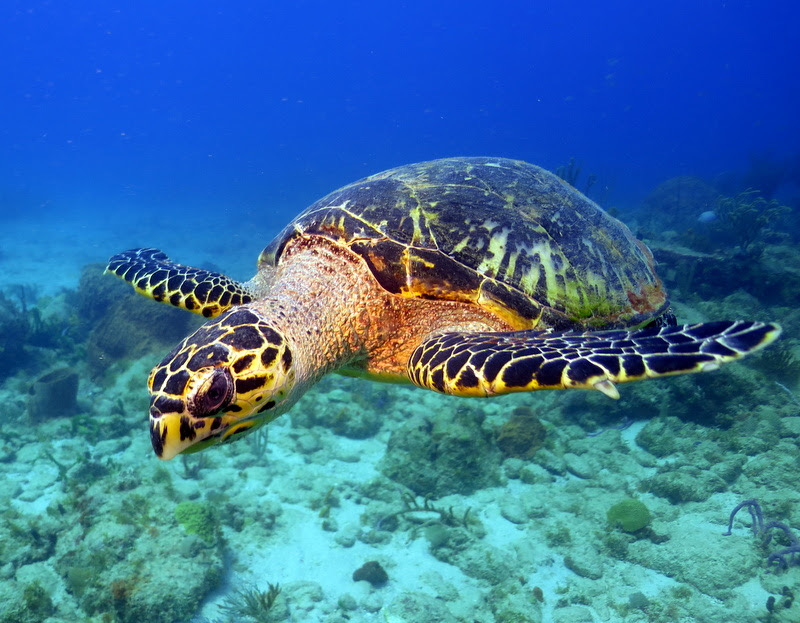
(707, 217)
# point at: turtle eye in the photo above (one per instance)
(215, 393)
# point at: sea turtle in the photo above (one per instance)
(467, 276)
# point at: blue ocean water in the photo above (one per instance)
(260, 108)
(203, 127)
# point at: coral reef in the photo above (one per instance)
(53, 394)
(747, 221)
(479, 510)
(437, 456)
(27, 329)
(345, 410)
(677, 203)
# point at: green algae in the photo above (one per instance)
(629, 515)
(37, 601)
(198, 518)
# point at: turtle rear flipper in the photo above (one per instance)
(484, 364)
(152, 274)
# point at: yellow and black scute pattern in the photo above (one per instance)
(485, 364)
(154, 275)
(231, 375)
(504, 234)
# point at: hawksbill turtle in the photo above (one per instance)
(467, 276)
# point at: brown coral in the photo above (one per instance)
(679, 200)
(123, 324)
(521, 436)
(372, 572)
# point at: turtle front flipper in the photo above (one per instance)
(484, 364)
(152, 274)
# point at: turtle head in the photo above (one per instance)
(227, 379)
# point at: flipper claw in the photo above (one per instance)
(608, 388)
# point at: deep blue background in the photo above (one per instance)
(257, 108)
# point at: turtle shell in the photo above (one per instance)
(504, 234)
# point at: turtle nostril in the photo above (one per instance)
(215, 393)
(159, 405)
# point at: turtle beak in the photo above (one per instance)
(174, 433)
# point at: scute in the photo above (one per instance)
(500, 233)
